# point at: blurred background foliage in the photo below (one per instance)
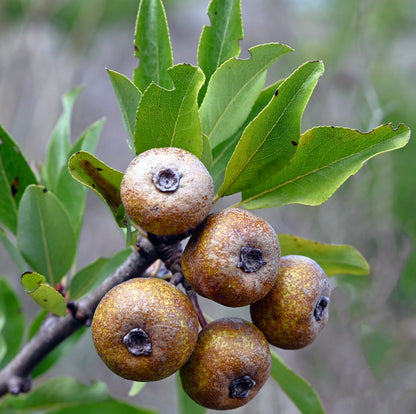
(366, 358)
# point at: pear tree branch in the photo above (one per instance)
(15, 377)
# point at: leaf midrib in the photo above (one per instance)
(182, 102)
(299, 177)
(231, 102)
(244, 166)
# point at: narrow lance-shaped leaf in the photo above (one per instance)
(169, 118)
(13, 324)
(15, 176)
(60, 143)
(69, 191)
(233, 89)
(325, 158)
(45, 236)
(43, 293)
(270, 140)
(152, 46)
(335, 259)
(220, 41)
(128, 97)
(100, 178)
(296, 388)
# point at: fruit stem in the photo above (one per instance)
(194, 299)
(169, 250)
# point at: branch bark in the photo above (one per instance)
(15, 377)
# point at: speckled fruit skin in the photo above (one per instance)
(286, 314)
(167, 213)
(162, 311)
(210, 259)
(227, 349)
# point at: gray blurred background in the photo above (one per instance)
(365, 359)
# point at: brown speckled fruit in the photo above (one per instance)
(145, 329)
(229, 365)
(295, 311)
(232, 258)
(167, 190)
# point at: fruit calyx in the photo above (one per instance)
(137, 341)
(251, 259)
(167, 180)
(321, 307)
(241, 386)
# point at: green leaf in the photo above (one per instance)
(206, 156)
(169, 118)
(66, 395)
(152, 46)
(92, 275)
(54, 356)
(15, 176)
(3, 345)
(136, 387)
(220, 41)
(12, 324)
(335, 259)
(104, 407)
(13, 251)
(185, 403)
(60, 142)
(223, 152)
(69, 191)
(270, 140)
(233, 89)
(325, 158)
(43, 294)
(99, 177)
(128, 96)
(297, 389)
(45, 236)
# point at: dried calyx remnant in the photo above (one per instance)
(240, 387)
(167, 180)
(251, 259)
(321, 307)
(138, 342)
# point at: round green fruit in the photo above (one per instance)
(295, 311)
(167, 191)
(230, 363)
(145, 329)
(232, 258)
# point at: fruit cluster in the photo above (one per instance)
(145, 329)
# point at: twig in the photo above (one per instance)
(15, 377)
(169, 249)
